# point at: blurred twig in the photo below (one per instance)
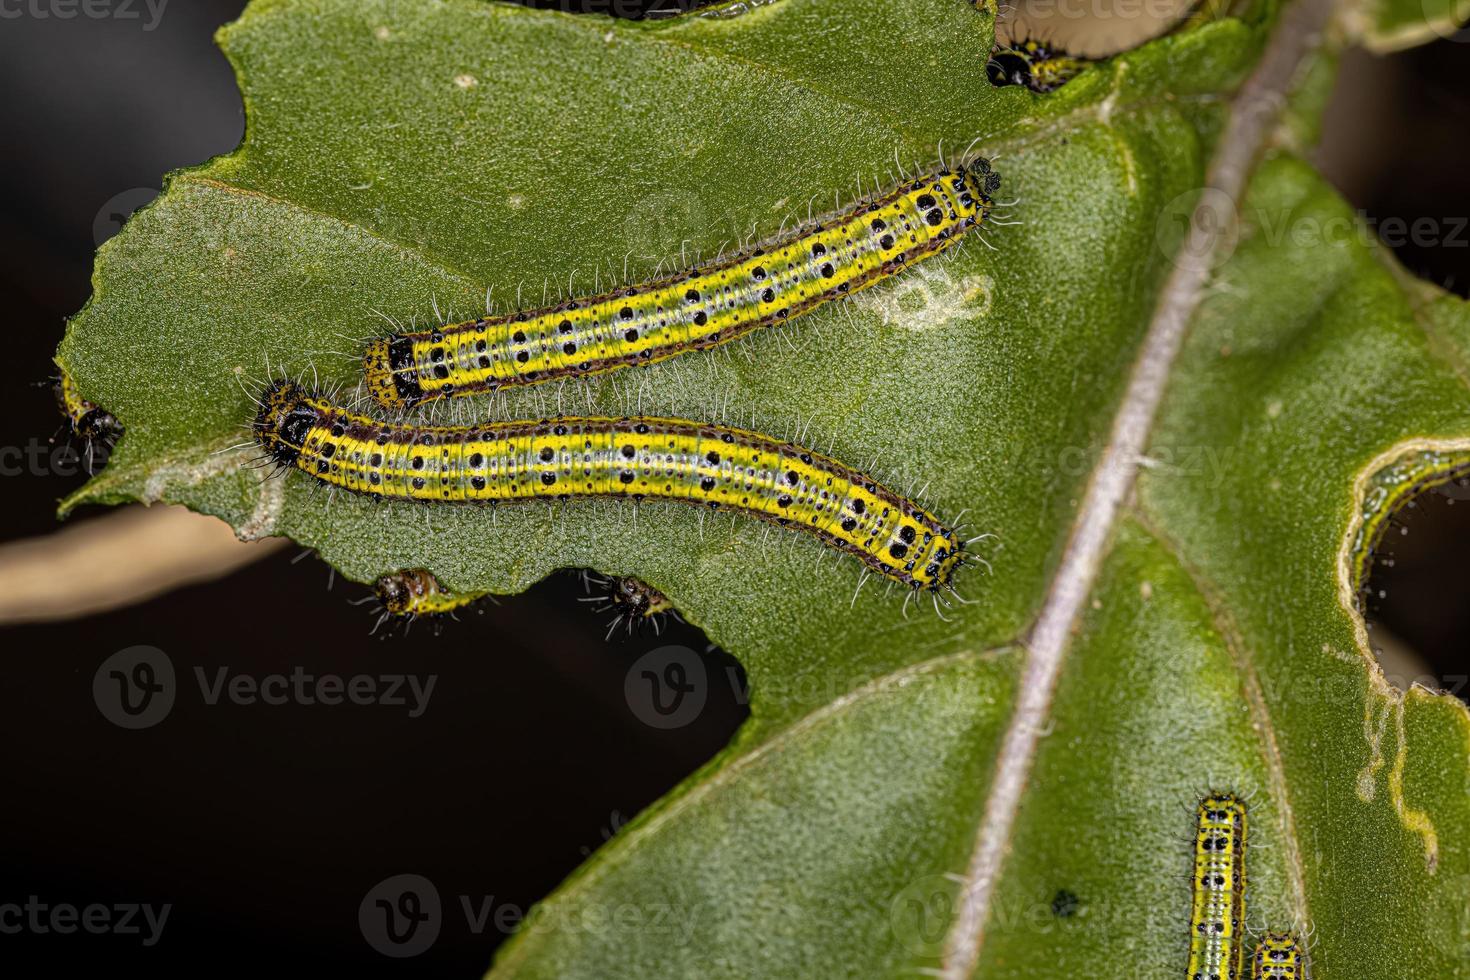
(117, 560)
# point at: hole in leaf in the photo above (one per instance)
(1415, 597)
(1391, 141)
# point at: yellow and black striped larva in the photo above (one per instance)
(406, 596)
(91, 426)
(640, 458)
(1278, 956)
(415, 592)
(1217, 918)
(1037, 65)
(633, 602)
(767, 284)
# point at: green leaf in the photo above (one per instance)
(406, 154)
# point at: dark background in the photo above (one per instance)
(266, 826)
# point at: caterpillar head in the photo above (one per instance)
(634, 603)
(388, 368)
(946, 554)
(90, 425)
(982, 181)
(413, 591)
(86, 420)
(286, 416)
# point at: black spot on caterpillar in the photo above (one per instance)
(766, 284)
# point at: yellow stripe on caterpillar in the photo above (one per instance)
(1217, 919)
(641, 458)
(767, 284)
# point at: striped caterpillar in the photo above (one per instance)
(633, 602)
(415, 592)
(92, 426)
(639, 458)
(1217, 919)
(771, 283)
(1278, 956)
(1039, 66)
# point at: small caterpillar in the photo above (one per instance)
(85, 422)
(415, 592)
(640, 458)
(412, 594)
(1039, 66)
(1218, 915)
(700, 308)
(633, 602)
(1278, 956)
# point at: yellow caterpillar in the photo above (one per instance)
(712, 466)
(1217, 919)
(633, 602)
(1039, 66)
(1278, 957)
(771, 283)
(86, 423)
(415, 592)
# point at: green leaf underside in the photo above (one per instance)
(405, 153)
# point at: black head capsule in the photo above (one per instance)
(285, 419)
(404, 371)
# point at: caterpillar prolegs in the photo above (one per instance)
(642, 458)
(699, 308)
